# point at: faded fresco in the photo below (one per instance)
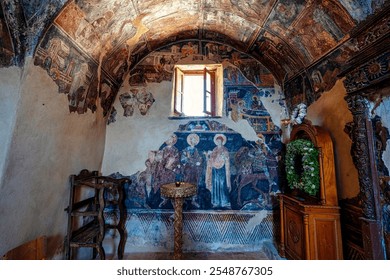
(115, 38)
(359, 10)
(241, 74)
(230, 172)
(136, 98)
(6, 50)
(21, 25)
(312, 29)
(381, 137)
(117, 35)
(70, 70)
(320, 78)
(104, 29)
(158, 66)
(284, 14)
(243, 101)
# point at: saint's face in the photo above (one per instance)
(171, 141)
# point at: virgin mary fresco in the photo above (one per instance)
(218, 173)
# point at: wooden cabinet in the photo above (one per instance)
(310, 232)
(310, 226)
(90, 196)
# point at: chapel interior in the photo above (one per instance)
(92, 93)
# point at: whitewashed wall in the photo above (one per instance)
(129, 139)
(9, 98)
(42, 144)
(384, 112)
(331, 112)
(47, 145)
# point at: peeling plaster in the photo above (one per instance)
(383, 111)
(330, 111)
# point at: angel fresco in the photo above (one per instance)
(145, 101)
(128, 102)
(137, 98)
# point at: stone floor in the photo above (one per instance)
(199, 256)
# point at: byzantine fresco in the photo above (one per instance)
(107, 94)
(21, 25)
(313, 28)
(299, 90)
(243, 101)
(75, 74)
(242, 75)
(99, 30)
(137, 98)
(359, 10)
(291, 61)
(112, 37)
(188, 15)
(320, 78)
(96, 25)
(229, 171)
(70, 70)
(6, 48)
(247, 28)
(284, 14)
(324, 75)
(253, 10)
(381, 137)
(269, 48)
(309, 27)
(158, 66)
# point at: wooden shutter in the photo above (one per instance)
(209, 92)
(179, 90)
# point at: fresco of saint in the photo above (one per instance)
(218, 173)
(191, 162)
(169, 165)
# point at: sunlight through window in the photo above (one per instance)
(193, 105)
(195, 90)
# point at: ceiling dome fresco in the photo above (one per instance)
(103, 40)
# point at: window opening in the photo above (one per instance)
(195, 91)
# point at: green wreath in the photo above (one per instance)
(302, 166)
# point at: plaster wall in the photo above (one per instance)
(9, 98)
(331, 112)
(128, 143)
(46, 147)
(384, 112)
(129, 139)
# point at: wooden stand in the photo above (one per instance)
(90, 194)
(178, 192)
(310, 227)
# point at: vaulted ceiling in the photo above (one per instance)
(285, 36)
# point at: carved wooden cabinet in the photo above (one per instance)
(310, 226)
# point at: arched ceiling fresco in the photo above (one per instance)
(104, 39)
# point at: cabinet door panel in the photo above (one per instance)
(326, 239)
(294, 232)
